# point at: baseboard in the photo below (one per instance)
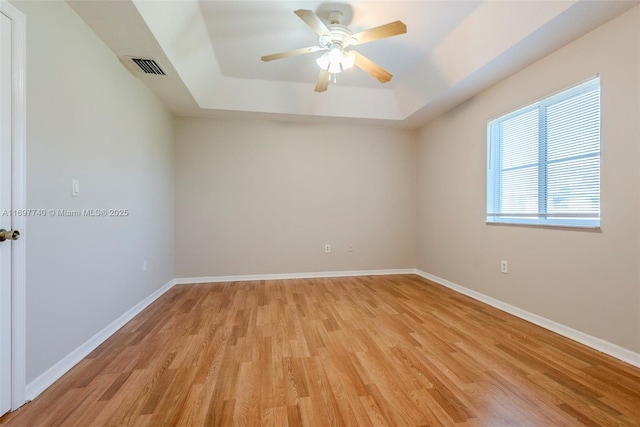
(315, 275)
(42, 382)
(601, 345)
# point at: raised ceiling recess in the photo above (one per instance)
(210, 51)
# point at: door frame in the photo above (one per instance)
(18, 201)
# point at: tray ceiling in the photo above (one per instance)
(211, 53)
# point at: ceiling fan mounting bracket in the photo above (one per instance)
(335, 17)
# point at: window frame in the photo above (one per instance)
(494, 162)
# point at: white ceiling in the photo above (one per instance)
(452, 50)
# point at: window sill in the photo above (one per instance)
(567, 225)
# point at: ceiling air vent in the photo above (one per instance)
(149, 66)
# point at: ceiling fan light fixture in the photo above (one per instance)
(336, 60)
(335, 55)
(323, 61)
(348, 59)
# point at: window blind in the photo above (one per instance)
(544, 161)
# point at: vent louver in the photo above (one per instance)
(149, 66)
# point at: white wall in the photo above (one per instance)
(89, 119)
(586, 280)
(256, 197)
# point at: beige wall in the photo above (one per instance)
(257, 197)
(89, 119)
(589, 281)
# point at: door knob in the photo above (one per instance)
(9, 235)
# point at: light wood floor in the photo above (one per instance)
(392, 350)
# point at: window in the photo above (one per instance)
(543, 162)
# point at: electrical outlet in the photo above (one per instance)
(504, 267)
(327, 248)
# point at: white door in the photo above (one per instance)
(11, 198)
(6, 122)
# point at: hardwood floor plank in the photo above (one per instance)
(380, 413)
(294, 417)
(520, 393)
(324, 401)
(274, 417)
(194, 411)
(497, 407)
(247, 410)
(578, 415)
(629, 382)
(115, 386)
(365, 351)
(125, 403)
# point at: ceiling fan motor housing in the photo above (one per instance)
(340, 35)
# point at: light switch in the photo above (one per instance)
(75, 188)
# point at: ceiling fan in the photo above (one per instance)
(334, 39)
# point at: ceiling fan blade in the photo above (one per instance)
(383, 31)
(289, 53)
(368, 66)
(313, 21)
(323, 81)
